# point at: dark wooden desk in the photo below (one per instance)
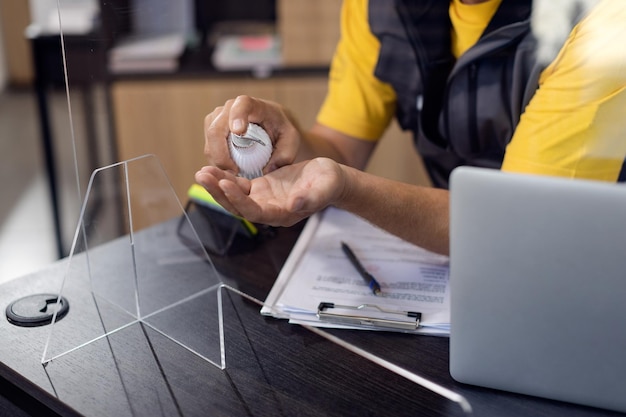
(273, 368)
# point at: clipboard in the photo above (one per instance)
(368, 315)
(318, 286)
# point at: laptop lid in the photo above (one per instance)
(538, 286)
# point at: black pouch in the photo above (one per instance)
(220, 232)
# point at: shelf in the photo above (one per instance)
(196, 64)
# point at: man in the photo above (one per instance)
(463, 77)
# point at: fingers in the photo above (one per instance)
(285, 151)
(239, 200)
(209, 177)
(241, 111)
(233, 116)
(233, 194)
(246, 109)
(274, 200)
(216, 132)
(279, 125)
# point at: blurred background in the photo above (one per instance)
(142, 74)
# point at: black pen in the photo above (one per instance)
(369, 278)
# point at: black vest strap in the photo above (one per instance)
(427, 24)
(622, 174)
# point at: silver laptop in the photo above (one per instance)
(538, 286)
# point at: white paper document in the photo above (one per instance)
(317, 270)
(147, 53)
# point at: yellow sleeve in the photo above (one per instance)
(357, 103)
(575, 125)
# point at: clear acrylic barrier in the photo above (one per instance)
(143, 277)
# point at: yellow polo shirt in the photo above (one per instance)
(574, 126)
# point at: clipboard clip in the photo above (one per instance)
(369, 315)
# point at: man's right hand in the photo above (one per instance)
(235, 115)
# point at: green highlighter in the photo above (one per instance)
(202, 197)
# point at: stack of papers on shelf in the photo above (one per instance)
(75, 19)
(247, 52)
(317, 271)
(147, 53)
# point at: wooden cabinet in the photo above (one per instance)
(309, 30)
(14, 18)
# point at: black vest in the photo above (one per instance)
(462, 112)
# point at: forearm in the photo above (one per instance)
(314, 145)
(322, 141)
(419, 215)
